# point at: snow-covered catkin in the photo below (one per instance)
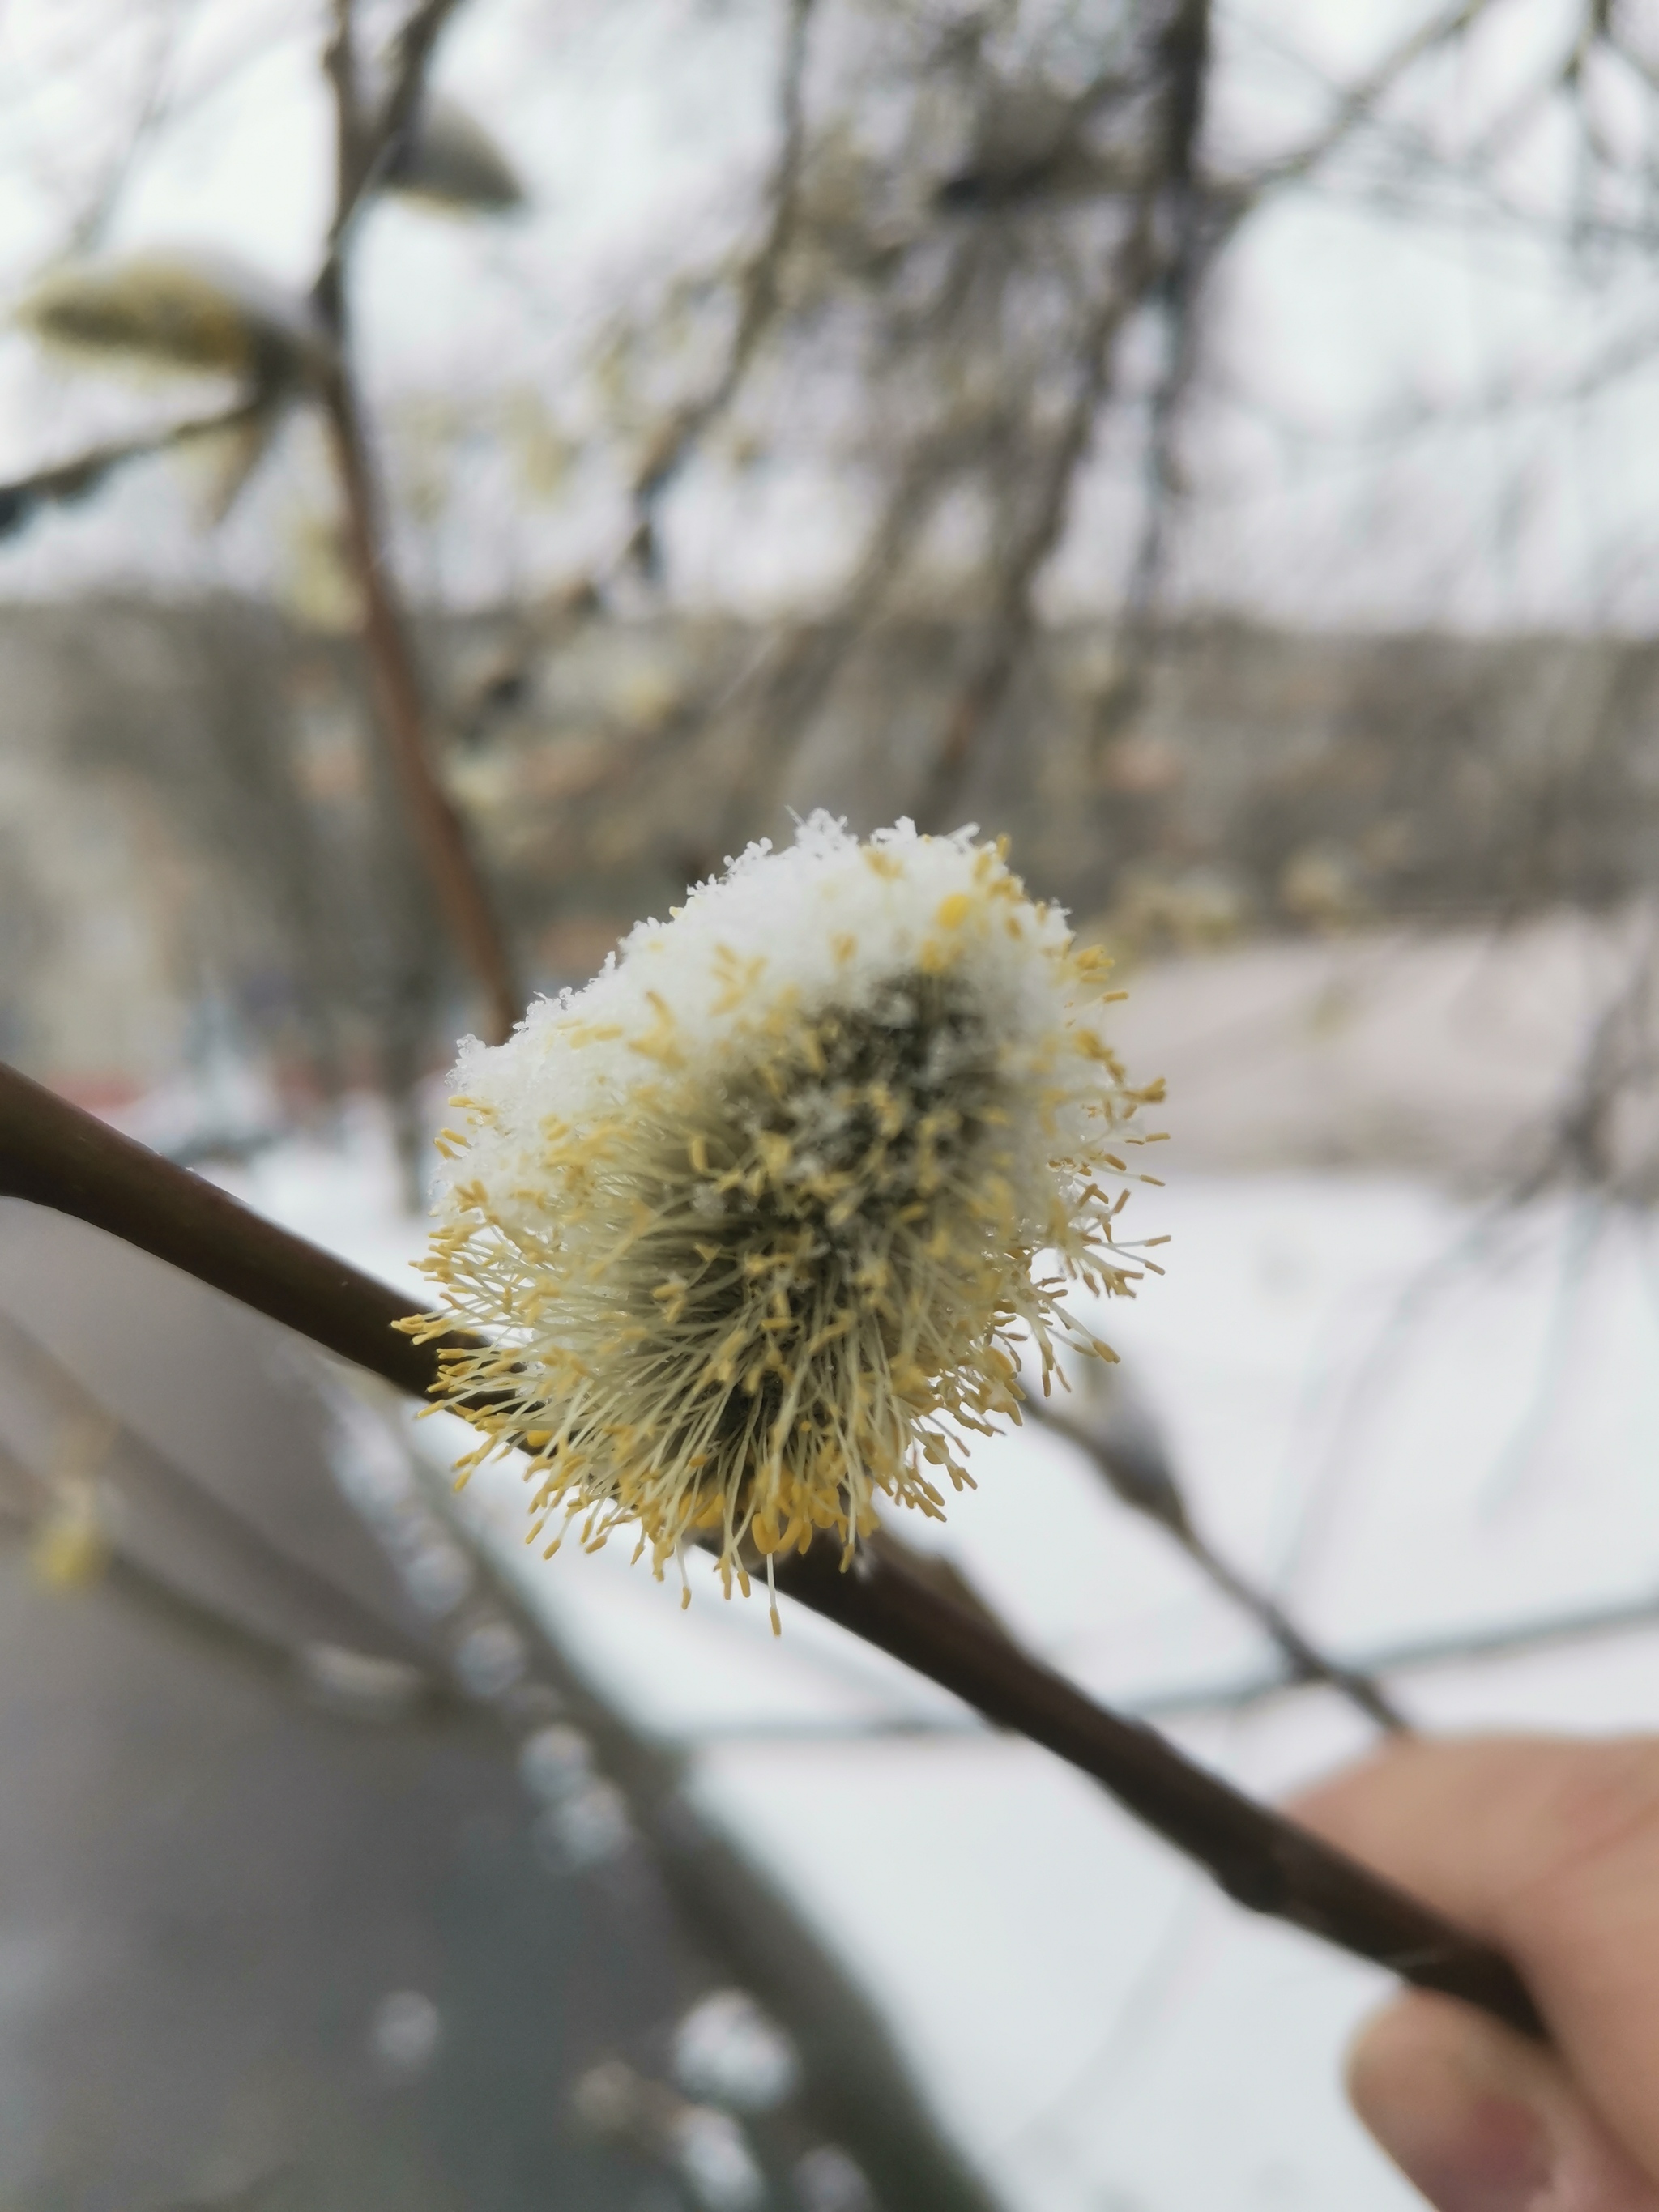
(761, 1223)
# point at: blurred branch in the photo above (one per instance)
(1626, 354)
(1358, 104)
(1457, 1647)
(55, 1155)
(1010, 618)
(362, 144)
(790, 691)
(1203, 217)
(65, 482)
(148, 1479)
(154, 110)
(1188, 44)
(1620, 1058)
(1159, 259)
(860, 2081)
(215, 1631)
(758, 292)
(442, 836)
(1012, 613)
(322, 370)
(1083, 214)
(366, 143)
(1129, 1455)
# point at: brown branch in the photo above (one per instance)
(1197, 236)
(54, 1155)
(438, 828)
(1262, 1860)
(361, 148)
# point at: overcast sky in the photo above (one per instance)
(1343, 467)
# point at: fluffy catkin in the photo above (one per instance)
(756, 1220)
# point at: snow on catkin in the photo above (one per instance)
(754, 1221)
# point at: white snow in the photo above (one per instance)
(1407, 1426)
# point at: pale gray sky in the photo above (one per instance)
(642, 127)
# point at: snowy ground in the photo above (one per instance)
(1409, 1417)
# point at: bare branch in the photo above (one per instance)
(1457, 1647)
(1357, 105)
(366, 141)
(154, 110)
(1130, 1458)
(320, 1605)
(54, 1155)
(1191, 250)
(361, 149)
(438, 828)
(1010, 618)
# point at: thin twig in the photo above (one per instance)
(759, 292)
(219, 1632)
(1145, 261)
(1129, 1456)
(52, 1153)
(153, 111)
(1458, 1647)
(1186, 48)
(1358, 104)
(1011, 615)
(1181, 222)
(1306, 1661)
(1237, 1693)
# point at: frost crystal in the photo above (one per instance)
(755, 1220)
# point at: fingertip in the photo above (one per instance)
(1480, 2120)
(1455, 2109)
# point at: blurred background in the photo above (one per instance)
(465, 469)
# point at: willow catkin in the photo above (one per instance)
(759, 1221)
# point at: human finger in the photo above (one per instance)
(1481, 2120)
(1549, 1849)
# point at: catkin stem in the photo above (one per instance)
(1259, 1858)
(53, 1154)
